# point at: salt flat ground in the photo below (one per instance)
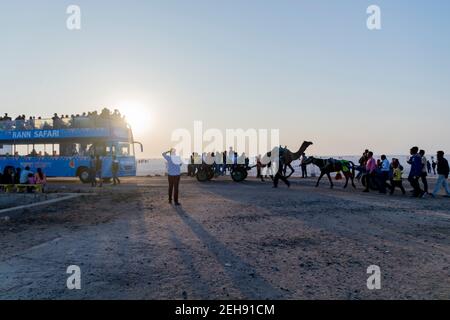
(8, 200)
(227, 241)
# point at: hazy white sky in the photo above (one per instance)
(309, 68)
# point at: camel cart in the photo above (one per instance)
(206, 172)
(239, 172)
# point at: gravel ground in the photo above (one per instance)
(227, 241)
(8, 200)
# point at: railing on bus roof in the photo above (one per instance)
(62, 123)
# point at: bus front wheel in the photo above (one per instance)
(83, 174)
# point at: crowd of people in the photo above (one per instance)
(386, 175)
(19, 176)
(85, 120)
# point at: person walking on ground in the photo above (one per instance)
(304, 166)
(279, 175)
(362, 165)
(371, 169)
(224, 163)
(384, 173)
(267, 172)
(443, 172)
(429, 167)
(259, 167)
(217, 163)
(416, 172)
(92, 172)
(173, 172)
(190, 166)
(98, 169)
(115, 166)
(230, 159)
(433, 165)
(397, 180)
(379, 163)
(424, 174)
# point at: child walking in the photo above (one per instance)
(397, 180)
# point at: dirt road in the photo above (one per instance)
(228, 241)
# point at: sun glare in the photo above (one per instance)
(137, 115)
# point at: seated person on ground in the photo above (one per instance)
(24, 175)
(40, 177)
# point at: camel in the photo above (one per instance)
(328, 166)
(288, 156)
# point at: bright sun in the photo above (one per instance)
(137, 115)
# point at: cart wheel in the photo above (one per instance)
(202, 174)
(239, 174)
(210, 172)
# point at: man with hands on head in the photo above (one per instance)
(174, 164)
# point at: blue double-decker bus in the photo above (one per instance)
(63, 147)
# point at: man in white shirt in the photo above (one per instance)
(174, 164)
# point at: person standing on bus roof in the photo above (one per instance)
(174, 172)
(115, 170)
